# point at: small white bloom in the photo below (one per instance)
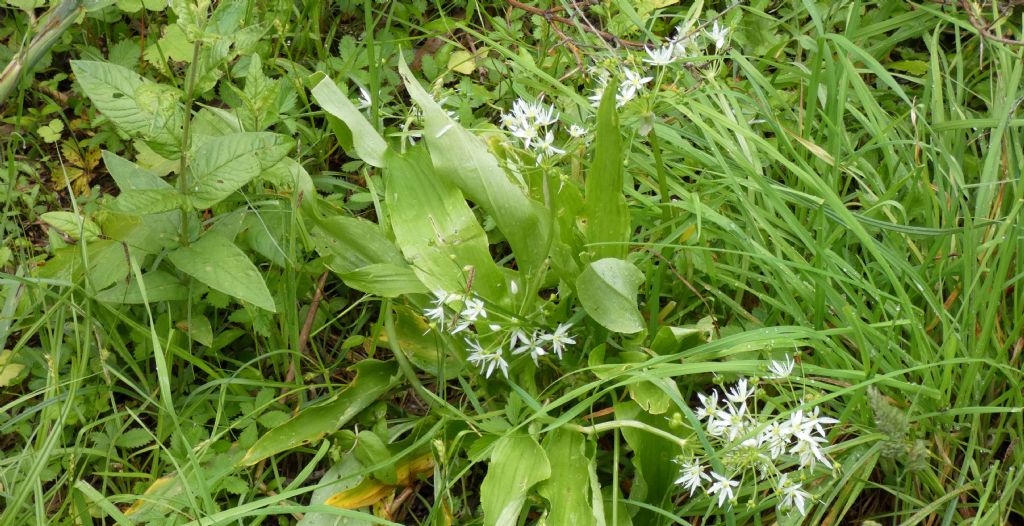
(546, 147)
(793, 495)
(559, 339)
(691, 474)
(474, 309)
(595, 98)
(723, 488)
(661, 56)
(733, 422)
(776, 438)
(532, 346)
(513, 287)
(815, 422)
(487, 360)
(740, 393)
(808, 449)
(709, 406)
(577, 132)
(631, 86)
(782, 368)
(718, 34)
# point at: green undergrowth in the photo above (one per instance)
(614, 262)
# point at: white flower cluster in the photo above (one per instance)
(536, 343)
(756, 445)
(532, 123)
(681, 45)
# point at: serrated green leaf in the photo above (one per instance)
(608, 289)
(517, 464)
(219, 264)
(368, 144)
(373, 378)
(222, 165)
(133, 438)
(73, 225)
(138, 106)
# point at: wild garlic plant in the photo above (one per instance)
(779, 446)
(465, 316)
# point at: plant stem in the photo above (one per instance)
(58, 20)
(183, 182)
(659, 167)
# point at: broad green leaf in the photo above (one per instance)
(517, 464)
(653, 460)
(423, 348)
(384, 279)
(73, 225)
(607, 289)
(349, 243)
(368, 144)
(437, 231)
(138, 106)
(160, 286)
(373, 379)
(149, 201)
(568, 490)
(372, 451)
(605, 208)
(219, 264)
(222, 165)
(130, 176)
(366, 260)
(462, 159)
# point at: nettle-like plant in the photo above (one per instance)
(214, 153)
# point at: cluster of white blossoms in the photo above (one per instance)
(683, 44)
(515, 339)
(533, 124)
(757, 448)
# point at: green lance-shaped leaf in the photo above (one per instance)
(463, 159)
(366, 260)
(359, 134)
(605, 207)
(568, 490)
(219, 264)
(607, 289)
(222, 165)
(437, 231)
(373, 379)
(517, 464)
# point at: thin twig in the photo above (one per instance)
(984, 28)
(307, 327)
(550, 16)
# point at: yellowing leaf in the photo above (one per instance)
(462, 61)
(370, 490)
(8, 370)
